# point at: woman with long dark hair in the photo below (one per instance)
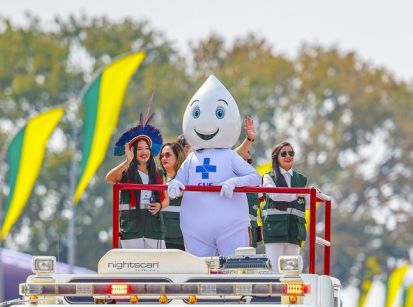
(283, 214)
(171, 157)
(141, 221)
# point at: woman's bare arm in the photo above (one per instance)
(115, 174)
(250, 132)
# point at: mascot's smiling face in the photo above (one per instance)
(212, 118)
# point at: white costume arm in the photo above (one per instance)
(268, 182)
(246, 176)
(175, 189)
(176, 186)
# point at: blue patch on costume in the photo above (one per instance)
(206, 168)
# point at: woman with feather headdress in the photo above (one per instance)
(141, 222)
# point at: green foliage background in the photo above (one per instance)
(350, 123)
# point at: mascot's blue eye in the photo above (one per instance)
(196, 112)
(220, 112)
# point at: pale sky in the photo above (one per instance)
(379, 31)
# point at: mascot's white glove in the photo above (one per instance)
(228, 187)
(175, 189)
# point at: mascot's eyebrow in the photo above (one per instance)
(223, 101)
(196, 100)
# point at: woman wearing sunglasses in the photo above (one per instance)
(283, 214)
(171, 157)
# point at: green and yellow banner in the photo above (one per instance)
(398, 291)
(25, 157)
(395, 286)
(372, 267)
(102, 104)
(408, 297)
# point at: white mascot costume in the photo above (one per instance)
(211, 222)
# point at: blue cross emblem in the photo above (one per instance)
(206, 168)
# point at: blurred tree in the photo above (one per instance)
(350, 124)
(33, 70)
(34, 76)
(45, 72)
(349, 121)
(162, 72)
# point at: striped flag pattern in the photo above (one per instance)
(25, 157)
(102, 104)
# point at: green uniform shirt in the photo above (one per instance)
(253, 205)
(286, 228)
(138, 223)
(173, 234)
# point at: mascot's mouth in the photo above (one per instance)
(206, 137)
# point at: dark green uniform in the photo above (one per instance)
(138, 223)
(173, 234)
(284, 222)
(253, 204)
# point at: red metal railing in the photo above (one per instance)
(315, 196)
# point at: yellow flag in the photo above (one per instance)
(25, 157)
(102, 104)
(395, 286)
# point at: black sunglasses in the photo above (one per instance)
(291, 153)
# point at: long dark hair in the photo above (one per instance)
(276, 164)
(131, 175)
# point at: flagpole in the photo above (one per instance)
(2, 279)
(1, 273)
(3, 170)
(2, 180)
(1, 247)
(74, 167)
